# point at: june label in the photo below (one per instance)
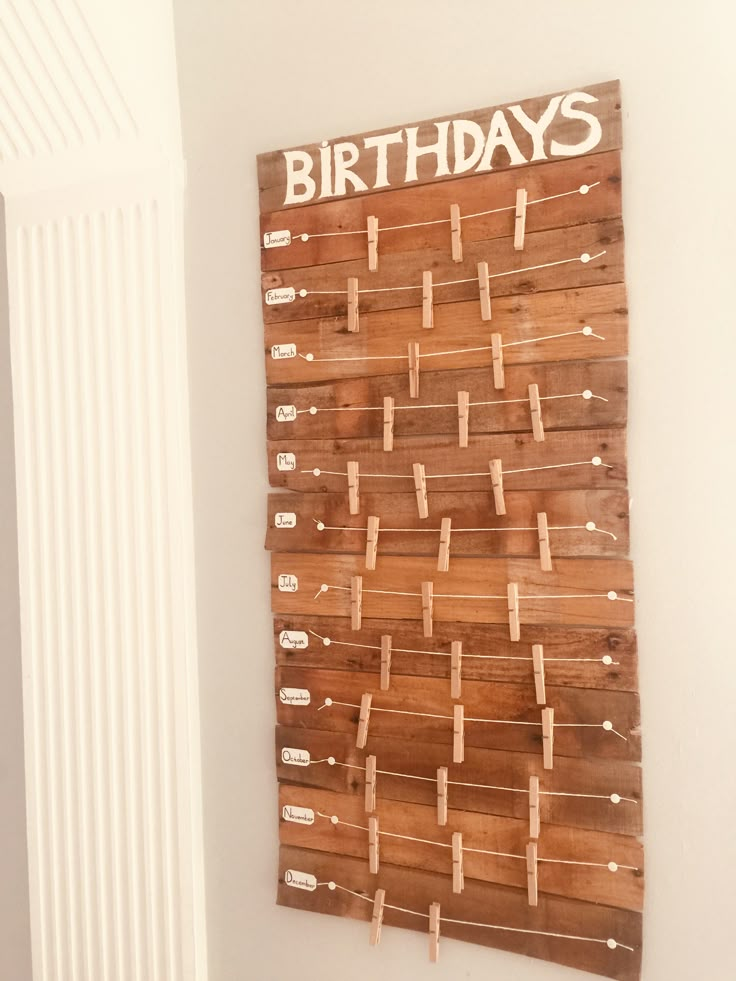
(283, 294)
(276, 240)
(285, 413)
(284, 519)
(281, 351)
(294, 696)
(300, 880)
(285, 461)
(294, 640)
(295, 757)
(288, 583)
(297, 815)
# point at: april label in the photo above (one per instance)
(294, 640)
(281, 351)
(295, 757)
(300, 880)
(283, 294)
(294, 696)
(276, 240)
(285, 461)
(297, 815)
(285, 413)
(288, 583)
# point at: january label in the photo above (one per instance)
(276, 240)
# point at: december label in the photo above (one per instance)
(300, 880)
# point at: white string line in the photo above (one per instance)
(585, 257)
(313, 410)
(335, 820)
(606, 659)
(613, 798)
(610, 942)
(321, 526)
(586, 331)
(594, 462)
(606, 725)
(611, 595)
(305, 236)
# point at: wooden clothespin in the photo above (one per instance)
(463, 417)
(434, 932)
(496, 468)
(548, 737)
(427, 607)
(427, 301)
(458, 878)
(373, 844)
(371, 545)
(443, 559)
(535, 404)
(370, 784)
(353, 469)
(356, 602)
(420, 486)
(458, 734)
(364, 720)
(513, 604)
(520, 222)
(385, 661)
(442, 795)
(389, 406)
(456, 666)
(353, 312)
(484, 285)
(499, 379)
(377, 918)
(457, 234)
(534, 820)
(532, 880)
(538, 662)
(372, 243)
(414, 369)
(545, 553)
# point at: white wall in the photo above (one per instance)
(258, 76)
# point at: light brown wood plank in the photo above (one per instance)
(623, 888)
(497, 768)
(607, 109)
(431, 203)
(608, 509)
(579, 713)
(573, 656)
(501, 905)
(354, 407)
(385, 334)
(550, 261)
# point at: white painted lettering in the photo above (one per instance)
(462, 129)
(346, 155)
(499, 134)
(438, 149)
(381, 143)
(537, 129)
(593, 138)
(298, 169)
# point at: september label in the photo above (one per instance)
(294, 696)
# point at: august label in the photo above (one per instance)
(294, 640)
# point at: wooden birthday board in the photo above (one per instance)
(458, 740)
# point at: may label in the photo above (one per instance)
(294, 640)
(300, 880)
(281, 351)
(294, 696)
(284, 519)
(285, 461)
(295, 757)
(285, 413)
(283, 294)
(297, 815)
(288, 583)
(276, 240)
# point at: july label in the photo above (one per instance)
(285, 413)
(294, 696)
(281, 351)
(276, 240)
(285, 461)
(284, 294)
(284, 519)
(300, 880)
(295, 757)
(294, 640)
(288, 583)
(297, 815)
